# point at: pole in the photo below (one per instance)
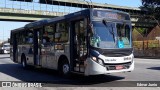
(3, 34)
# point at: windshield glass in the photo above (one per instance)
(123, 32)
(110, 35)
(103, 35)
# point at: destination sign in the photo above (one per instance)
(110, 15)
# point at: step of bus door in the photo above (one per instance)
(79, 69)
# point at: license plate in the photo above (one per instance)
(119, 67)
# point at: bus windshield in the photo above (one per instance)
(110, 35)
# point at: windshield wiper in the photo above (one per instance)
(111, 31)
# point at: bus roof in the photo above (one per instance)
(47, 21)
(18, 29)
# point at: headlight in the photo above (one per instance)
(93, 58)
(98, 60)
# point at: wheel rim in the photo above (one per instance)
(65, 68)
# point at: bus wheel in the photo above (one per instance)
(64, 68)
(24, 64)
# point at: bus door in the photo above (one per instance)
(79, 48)
(36, 46)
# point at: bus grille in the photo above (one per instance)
(112, 66)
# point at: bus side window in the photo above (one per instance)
(57, 36)
(29, 38)
(48, 34)
(46, 39)
(61, 34)
(64, 36)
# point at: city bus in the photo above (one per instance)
(88, 42)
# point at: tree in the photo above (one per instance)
(153, 7)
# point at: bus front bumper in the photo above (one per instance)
(93, 68)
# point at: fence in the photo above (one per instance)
(36, 6)
(148, 45)
(147, 48)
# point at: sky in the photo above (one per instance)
(6, 26)
(130, 3)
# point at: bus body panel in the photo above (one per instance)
(27, 50)
(93, 68)
(50, 59)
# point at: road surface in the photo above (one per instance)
(145, 70)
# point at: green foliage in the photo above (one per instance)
(153, 7)
(151, 2)
(142, 31)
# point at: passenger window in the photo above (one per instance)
(29, 37)
(61, 34)
(48, 34)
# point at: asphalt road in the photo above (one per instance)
(145, 70)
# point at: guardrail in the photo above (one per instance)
(35, 12)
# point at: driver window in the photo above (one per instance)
(123, 34)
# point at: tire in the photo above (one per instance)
(64, 68)
(24, 64)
